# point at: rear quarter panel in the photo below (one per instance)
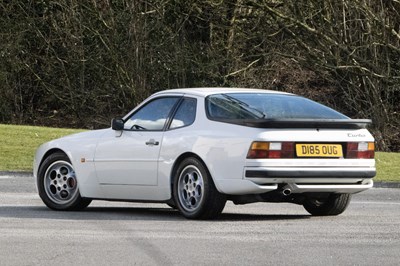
(222, 147)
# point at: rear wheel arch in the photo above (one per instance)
(194, 192)
(174, 172)
(178, 162)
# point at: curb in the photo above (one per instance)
(16, 173)
(380, 184)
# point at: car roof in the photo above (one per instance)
(204, 92)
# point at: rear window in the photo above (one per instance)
(266, 106)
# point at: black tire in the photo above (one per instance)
(171, 204)
(57, 184)
(334, 204)
(194, 191)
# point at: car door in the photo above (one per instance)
(131, 157)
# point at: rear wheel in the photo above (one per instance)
(334, 204)
(194, 191)
(57, 184)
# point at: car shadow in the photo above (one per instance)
(131, 213)
(261, 217)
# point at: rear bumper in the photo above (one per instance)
(243, 187)
(257, 180)
(258, 172)
(336, 188)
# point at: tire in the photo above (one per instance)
(57, 184)
(171, 204)
(194, 191)
(334, 204)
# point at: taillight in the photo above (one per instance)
(360, 150)
(270, 150)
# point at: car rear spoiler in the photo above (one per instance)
(301, 123)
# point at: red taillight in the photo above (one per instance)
(270, 150)
(360, 150)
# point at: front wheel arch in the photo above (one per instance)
(53, 163)
(48, 153)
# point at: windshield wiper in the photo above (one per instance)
(245, 106)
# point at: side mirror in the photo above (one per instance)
(117, 123)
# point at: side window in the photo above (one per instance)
(185, 114)
(152, 116)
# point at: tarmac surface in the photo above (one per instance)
(115, 233)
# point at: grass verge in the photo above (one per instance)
(18, 145)
(387, 166)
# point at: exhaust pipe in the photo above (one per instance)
(286, 191)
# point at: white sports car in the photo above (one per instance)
(194, 149)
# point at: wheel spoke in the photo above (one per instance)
(190, 186)
(60, 182)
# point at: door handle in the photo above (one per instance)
(152, 142)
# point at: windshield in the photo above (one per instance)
(266, 106)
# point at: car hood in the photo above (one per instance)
(92, 134)
(67, 143)
(83, 143)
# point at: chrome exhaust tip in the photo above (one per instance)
(286, 191)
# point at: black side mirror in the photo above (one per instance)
(117, 123)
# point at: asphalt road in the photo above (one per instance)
(111, 233)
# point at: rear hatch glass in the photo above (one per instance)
(232, 106)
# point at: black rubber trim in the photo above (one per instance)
(307, 173)
(300, 123)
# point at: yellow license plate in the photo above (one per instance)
(319, 150)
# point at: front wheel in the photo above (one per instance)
(58, 185)
(194, 191)
(333, 204)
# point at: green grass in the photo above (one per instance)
(18, 145)
(387, 166)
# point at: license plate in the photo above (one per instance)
(319, 150)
